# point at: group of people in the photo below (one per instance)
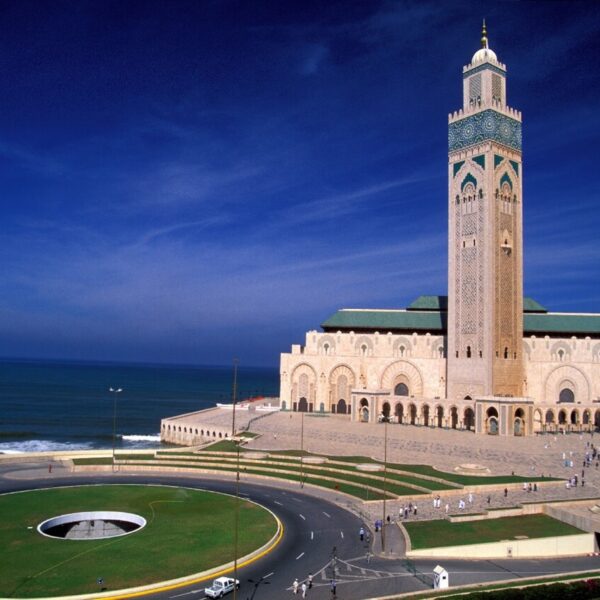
(405, 511)
(304, 586)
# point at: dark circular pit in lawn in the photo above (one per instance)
(91, 525)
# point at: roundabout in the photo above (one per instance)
(320, 538)
(78, 540)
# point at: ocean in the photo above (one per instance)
(59, 405)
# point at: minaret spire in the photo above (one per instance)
(484, 39)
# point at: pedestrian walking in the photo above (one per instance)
(415, 510)
(505, 492)
(447, 507)
(303, 588)
(470, 497)
(333, 589)
(361, 533)
(310, 580)
(295, 585)
(489, 499)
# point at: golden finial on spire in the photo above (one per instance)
(484, 40)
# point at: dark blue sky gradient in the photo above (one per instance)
(193, 181)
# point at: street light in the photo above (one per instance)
(237, 483)
(114, 392)
(302, 450)
(384, 484)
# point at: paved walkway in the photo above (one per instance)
(446, 450)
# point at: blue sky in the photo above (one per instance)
(193, 181)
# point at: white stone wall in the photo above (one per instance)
(366, 361)
(554, 364)
(381, 361)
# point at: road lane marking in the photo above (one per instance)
(279, 503)
(342, 534)
(269, 575)
(312, 535)
(302, 517)
(327, 515)
(300, 556)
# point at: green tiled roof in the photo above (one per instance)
(441, 303)
(532, 306)
(429, 303)
(566, 323)
(435, 321)
(386, 320)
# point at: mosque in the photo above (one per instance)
(483, 358)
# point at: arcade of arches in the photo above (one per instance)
(398, 403)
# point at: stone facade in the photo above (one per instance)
(473, 365)
(408, 373)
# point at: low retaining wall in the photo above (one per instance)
(565, 545)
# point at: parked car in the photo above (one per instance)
(221, 586)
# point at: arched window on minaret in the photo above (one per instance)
(468, 351)
(505, 352)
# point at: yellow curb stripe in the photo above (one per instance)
(175, 586)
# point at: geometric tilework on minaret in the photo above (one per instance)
(485, 248)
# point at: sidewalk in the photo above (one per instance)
(393, 544)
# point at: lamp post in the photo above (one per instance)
(384, 484)
(114, 392)
(302, 450)
(237, 483)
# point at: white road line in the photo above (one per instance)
(279, 503)
(327, 515)
(269, 575)
(342, 534)
(299, 556)
(302, 517)
(312, 535)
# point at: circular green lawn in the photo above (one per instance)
(187, 531)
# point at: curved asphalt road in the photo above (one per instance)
(318, 538)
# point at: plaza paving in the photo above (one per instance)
(443, 449)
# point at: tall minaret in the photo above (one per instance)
(485, 236)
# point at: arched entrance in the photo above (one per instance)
(537, 421)
(586, 417)
(401, 390)
(440, 416)
(399, 412)
(491, 421)
(597, 419)
(302, 405)
(574, 417)
(341, 407)
(550, 425)
(519, 422)
(412, 413)
(566, 395)
(364, 410)
(454, 417)
(469, 419)
(562, 417)
(425, 412)
(385, 411)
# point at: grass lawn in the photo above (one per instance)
(433, 534)
(188, 531)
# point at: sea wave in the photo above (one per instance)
(141, 438)
(41, 446)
